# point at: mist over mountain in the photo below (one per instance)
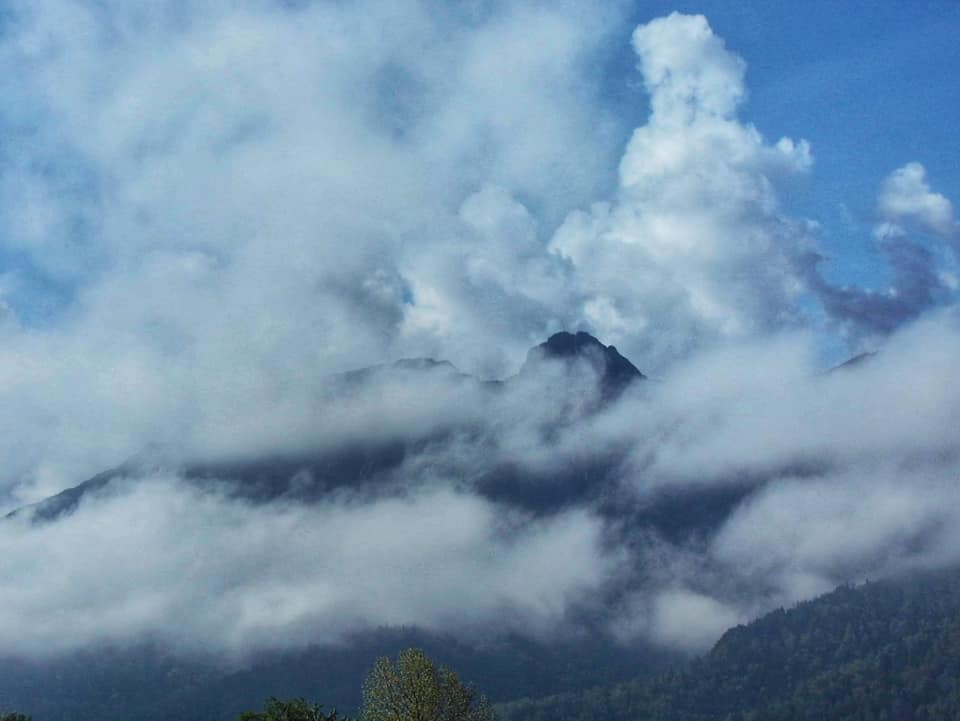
(613, 295)
(575, 496)
(584, 374)
(509, 523)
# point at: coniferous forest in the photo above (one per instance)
(878, 652)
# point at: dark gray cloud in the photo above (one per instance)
(922, 273)
(914, 289)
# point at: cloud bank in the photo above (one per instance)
(201, 573)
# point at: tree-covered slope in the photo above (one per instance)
(886, 650)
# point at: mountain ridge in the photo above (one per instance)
(354, 462)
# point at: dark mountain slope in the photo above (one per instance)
(887, 650)
(614, 371)
(589, 378)
(309, 474)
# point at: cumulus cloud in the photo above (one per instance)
(695, 247)
(907, 199)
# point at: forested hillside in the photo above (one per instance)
(885, 650)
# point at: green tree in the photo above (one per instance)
(13, 716)
(416, 689)
(296, 709)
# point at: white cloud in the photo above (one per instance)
(202, 573)
(694, 248)
(233, 200)
(687, 69)
(906, 198)
(690, 621)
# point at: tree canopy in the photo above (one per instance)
(297, 709)
(414, 688)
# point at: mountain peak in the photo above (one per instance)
(615, 371)
(564, 344)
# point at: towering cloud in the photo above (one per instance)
(694, 248)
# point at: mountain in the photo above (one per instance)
(572, 375)
(524, 443)
(148, 682)
(308, 474)
(614, 371)
(883, 650)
